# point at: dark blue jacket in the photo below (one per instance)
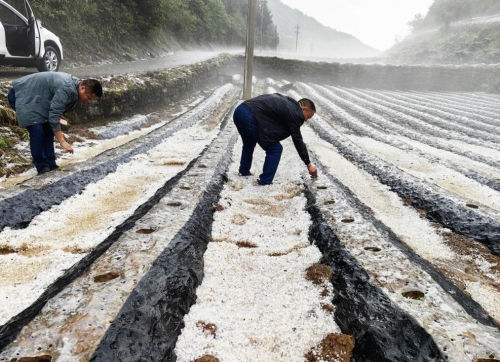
(278, 117)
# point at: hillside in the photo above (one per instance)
(315, 38)
(453, 32)
(94, 31)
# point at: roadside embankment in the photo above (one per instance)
(125, 95)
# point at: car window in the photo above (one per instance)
(8, 17)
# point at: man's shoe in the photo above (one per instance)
(53, 167)
(241, 175)
(43, 170)
(257, 183)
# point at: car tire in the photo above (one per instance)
(50, 61)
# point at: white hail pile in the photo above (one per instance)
(404, 221)
(423, 169)
(261, 305)
(61, 236)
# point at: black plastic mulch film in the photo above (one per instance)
(18, 211)
(147, 327)
(473, 308)
(458, 218)
(382, 331)
(482, 178)
(11, 329)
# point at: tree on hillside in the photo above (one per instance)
(444, 12)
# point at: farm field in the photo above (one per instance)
(157, 250)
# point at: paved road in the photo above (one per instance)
(169, 61)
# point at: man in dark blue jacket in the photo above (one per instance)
(40, 100)
(267, 120)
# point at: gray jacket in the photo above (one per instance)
(45, 97)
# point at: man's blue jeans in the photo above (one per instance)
(42, 147)
(247, 127)
(12, 99)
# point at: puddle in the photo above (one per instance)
(103, 278)
(373, 249)
(145, 231)
(348, 221)
(414, 294)
(472, 206)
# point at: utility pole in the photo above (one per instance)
(261, 24)
(297, 29)
(247, 85)
(276, 38)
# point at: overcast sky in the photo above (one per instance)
(374, 22)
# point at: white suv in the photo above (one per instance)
(23, 40)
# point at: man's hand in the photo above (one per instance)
(67, 146)
(60, 137)
(313, 171)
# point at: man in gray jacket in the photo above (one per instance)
(40, 100)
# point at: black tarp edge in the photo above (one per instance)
(10, 330)
(151, 320)
(383, 332)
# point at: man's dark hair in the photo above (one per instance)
(93, 86)
(304, 102)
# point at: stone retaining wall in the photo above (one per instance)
(125, 95)
(463, 78)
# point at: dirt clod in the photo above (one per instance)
(207, 358)
(103, 278)
(239, 219)
(6, 250)
(218, 207)
(414, 294)
(174, 204)
(209, 329)
(328, 308)
(348, 221)
(145, 231)
(319, 273)
(246, 244)
(334, 348)
(174, 163)
(44, 358)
